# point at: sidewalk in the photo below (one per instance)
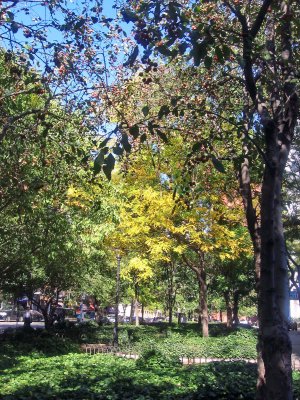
(295, 339)
(14, 324)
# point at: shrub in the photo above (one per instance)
(156, 359)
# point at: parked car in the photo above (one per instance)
(104, 320)
(158, 319)
(111, 318)
(37, 316)
(3, 315)
(140, 320)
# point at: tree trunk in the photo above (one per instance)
(179, 318)
(131, 311)
(235, 309)
(136, 306)
(203, 308)
(170, 315)
(171, 294)
(228, 309)
(200, 273)
(278, 123)
(273, 331)
(253, 225)
(143, 311)
(48, 317)
(136, 309)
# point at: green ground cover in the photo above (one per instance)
(45, 366)
(177, 340)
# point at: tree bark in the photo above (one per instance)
(203, 308)
(253, 224)
(235, 309)
(275, 342)
(131, 311)
(171, 296)
(228, 309)
(170, 315)
(136, 307)
(278, 127)
(143, 311)
(200, 273)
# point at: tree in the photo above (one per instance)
(235, 280)
(153, 222)
(45, 236)
(249, 49)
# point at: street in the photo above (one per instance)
(13, 324)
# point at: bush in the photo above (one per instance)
(44, 365)
(156, 359)
(24, 342)
(78, 376)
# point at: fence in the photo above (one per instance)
(102, 348)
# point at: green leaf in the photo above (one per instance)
(162, 135)
(145, 110)
(143, 138)
(128, 15)
(165, 51)
(14, 27)
(217, 164)
(132, 57)
(208, 61)
(80, 23)
(174, 100)
(109, 166)
(151, 127)
(10, 15)
(219, 54)
(164, 110)
(196, 147)
(157, 12)
(199, 52)
(103, 143)
(134, 131)
(125, 143)
(99, 160)
(226, 51)
(172, 11)
(182, 48)
(118, 150)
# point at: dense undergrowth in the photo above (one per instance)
(41, 365)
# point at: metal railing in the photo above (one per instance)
(101, 348)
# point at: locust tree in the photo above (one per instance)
(157, 225)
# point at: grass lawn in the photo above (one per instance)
(42, 366)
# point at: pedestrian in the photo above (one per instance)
(83, 309)
(91, 311)
(78, 313)
(27, 317)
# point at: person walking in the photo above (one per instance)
(27, 317)
(91, 311)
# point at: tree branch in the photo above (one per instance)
(14, 119)
(190, 265)
(260, 18)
